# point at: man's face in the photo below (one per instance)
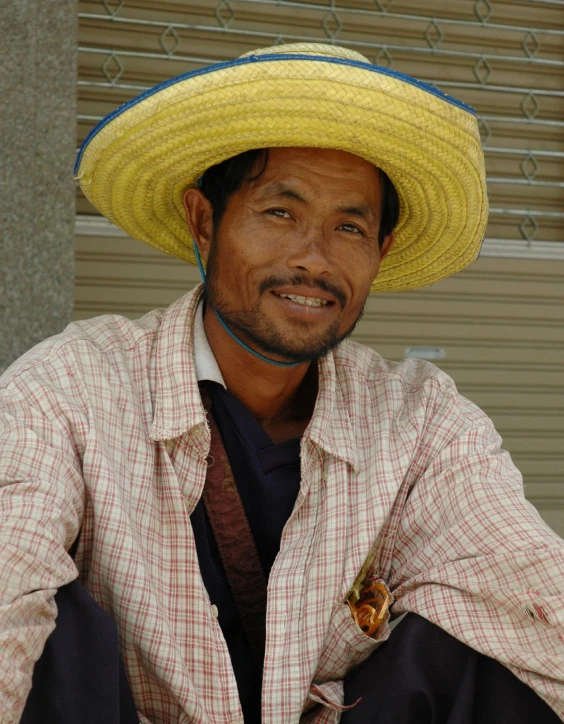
(296, 252)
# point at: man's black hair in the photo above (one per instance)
(223, 179)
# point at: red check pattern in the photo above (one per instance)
(103, 427)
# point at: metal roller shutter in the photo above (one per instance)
(496, 327)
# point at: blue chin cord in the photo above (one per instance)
(230, 333)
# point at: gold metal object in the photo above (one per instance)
(369, 600)
(369, 606)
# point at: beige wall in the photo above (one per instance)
(500, 323)
(37, 196)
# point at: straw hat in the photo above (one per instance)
(138, 161)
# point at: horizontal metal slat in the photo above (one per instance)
(499, 320)
(516, 356)
(519, 400)
(424, 331)
(531, 446)
(538, 423)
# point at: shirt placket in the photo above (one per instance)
(187, 454)
(292, 617)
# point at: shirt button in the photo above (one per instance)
(214, 610)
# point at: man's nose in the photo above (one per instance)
(310, 253)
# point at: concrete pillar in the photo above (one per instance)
(37, 150)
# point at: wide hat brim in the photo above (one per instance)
(137, 163)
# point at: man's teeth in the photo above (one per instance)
(308, 301)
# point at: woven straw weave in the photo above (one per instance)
(137, 164)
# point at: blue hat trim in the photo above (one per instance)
(267, 57)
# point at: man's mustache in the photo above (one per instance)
(272, 282)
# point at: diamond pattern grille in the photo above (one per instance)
(225, 13)
(112, 8)
(332, 25)
(169, 40)
(434, 34)
(505, 59)
(476, 51)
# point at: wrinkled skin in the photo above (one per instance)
(307, 226)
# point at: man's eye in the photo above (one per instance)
(282, 213)
(351, 228)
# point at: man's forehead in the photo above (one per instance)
(313, 157)
(292, 189)
(298, 173)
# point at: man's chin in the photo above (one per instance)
(283, 347)
(283, 340)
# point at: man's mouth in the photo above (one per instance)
(307, 301)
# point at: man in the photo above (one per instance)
(302, 178)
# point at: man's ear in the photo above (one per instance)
(387, 245)
(199, 217)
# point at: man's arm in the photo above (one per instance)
(474, 557)
(41, 506)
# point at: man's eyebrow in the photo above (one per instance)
(283, 189)
(364, 211)
(280, 188)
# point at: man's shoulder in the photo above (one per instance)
(411, 374)
(112, 331)
(85, 342)
(414, 389)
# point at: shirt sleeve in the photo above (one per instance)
(41, 505)
(474, 557)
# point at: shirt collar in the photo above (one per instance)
(206, 364)
(178, 406)
(331, 427)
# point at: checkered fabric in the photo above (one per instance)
(102, 430)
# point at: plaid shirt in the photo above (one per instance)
(102, 430)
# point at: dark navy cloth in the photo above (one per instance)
(268, 479)
(80, 676)
(423, 675)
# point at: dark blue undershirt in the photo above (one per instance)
(268, 480)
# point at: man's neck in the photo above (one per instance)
(280, 398)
